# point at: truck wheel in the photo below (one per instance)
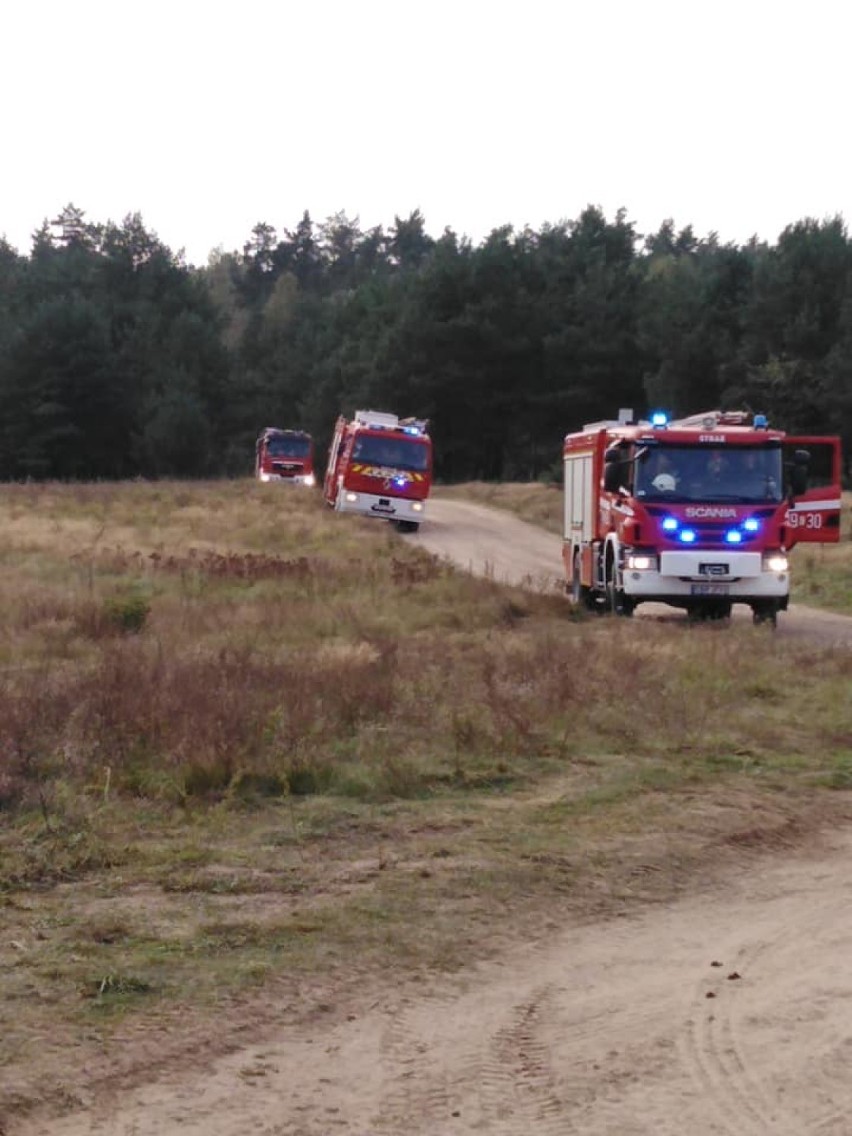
(719, 611)
(761, 614)
(709, 612)
(616, 601)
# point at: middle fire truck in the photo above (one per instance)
(380, 466)
(699, 513)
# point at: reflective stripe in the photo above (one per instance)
(811, 506)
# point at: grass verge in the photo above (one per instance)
(253, 751)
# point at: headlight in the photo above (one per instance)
(641, 561)
(775, 562)
(309, 480)
(417, 506)
(352, 497)
(265, 477)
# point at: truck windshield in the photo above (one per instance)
(393, 452)
(739, 474)
(288, 447)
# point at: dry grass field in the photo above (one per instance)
(251, 750)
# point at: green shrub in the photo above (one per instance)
(127, 613)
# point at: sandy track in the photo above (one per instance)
(490, 542)
(725, 1014)
(729, 1013)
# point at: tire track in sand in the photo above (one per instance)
(734, 1047)
(518, 1086)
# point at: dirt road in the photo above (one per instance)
(728, 1013)
(492, 543)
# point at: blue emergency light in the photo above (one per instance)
(659, 419)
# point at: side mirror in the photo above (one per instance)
(799, 472)
(612, 471)
(798, 479)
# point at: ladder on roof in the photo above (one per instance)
(713, 418)
(377, 419)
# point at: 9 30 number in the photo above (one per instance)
(801, 520)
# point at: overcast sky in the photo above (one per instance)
(206, 118)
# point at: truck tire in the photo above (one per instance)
(763, 614)
(616, 601)
(709, 612)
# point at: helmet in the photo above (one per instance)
(664, 483)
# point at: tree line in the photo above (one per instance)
(118, 360)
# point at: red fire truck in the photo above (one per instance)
(285, 455)
(380, 466)
(699, 513)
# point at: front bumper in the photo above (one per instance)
(381, 506)
(289, 479)
(698, 575)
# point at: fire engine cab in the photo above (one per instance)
(380, 466)
(285, 455)
(699, 513)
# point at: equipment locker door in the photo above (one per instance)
(578, 498)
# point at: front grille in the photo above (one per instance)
(710, 533)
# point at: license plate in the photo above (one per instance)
(709, 589)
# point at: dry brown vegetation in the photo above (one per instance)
(247, 744)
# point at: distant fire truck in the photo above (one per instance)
(380, 466)
(699, 513)
(285, 455)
